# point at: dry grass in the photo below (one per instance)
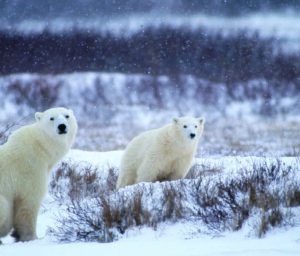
(265, 137)
(5, 131)
(112, 119)
(37, 94)
(97, 212)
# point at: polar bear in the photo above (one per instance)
(26, 161)
(161, 154)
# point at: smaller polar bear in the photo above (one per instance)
(26, 161)
(161, 154)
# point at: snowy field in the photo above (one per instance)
(112, 108)
(242, 195)
(235, 138)
(187, 236)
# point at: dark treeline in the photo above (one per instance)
(162, 51)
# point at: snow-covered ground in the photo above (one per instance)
(112, 108)
(185, 237)
(168, 241)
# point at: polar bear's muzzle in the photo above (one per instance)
(62, 129)
(192, 136)
(61, 125)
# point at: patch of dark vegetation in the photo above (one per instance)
(156, 51)
(78, 185)
(267, 98)
(97, 212)
(36, 93)
(6, 130)
(202, 170)
(4, 134)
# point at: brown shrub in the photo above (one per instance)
(38, 93)
(96, 212)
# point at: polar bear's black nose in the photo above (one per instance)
(62, 128)
(192, 135)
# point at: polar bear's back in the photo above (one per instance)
(26, 161)
(140, 147)
(19, 150)
(161, 154)
(16, 165)
(136, 149)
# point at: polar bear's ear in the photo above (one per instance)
(201, 120)
(38, 116)
(175, 120)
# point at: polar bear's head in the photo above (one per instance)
(57, 122)
(189, 128)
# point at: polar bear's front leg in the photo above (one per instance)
(147, 172)
(126, 177)
(25, 218)
(180, 168)
(5, 216)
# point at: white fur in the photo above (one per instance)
(161, 154)
(26, 161)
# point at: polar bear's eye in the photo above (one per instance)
(51, 118)
(67, 116)
(184, 126)
(196, 126)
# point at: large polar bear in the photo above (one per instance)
(26, 161)
(161, 154)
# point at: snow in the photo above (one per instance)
(252, 136)
(122, 92)
(180, 238)
(280, 24)
(99, 160)
(148, 242)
